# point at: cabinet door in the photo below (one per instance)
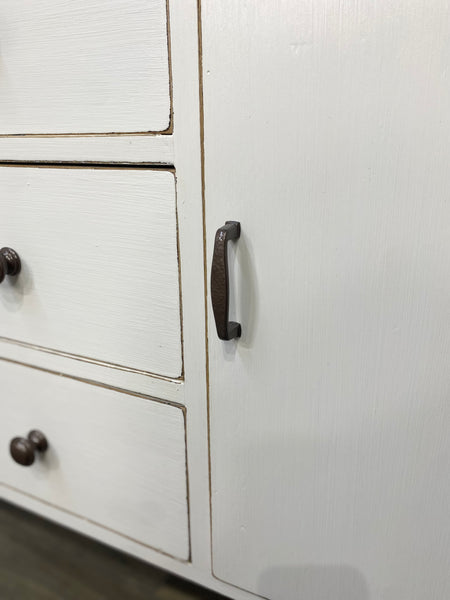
(327, 135)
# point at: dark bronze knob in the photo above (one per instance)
(23, 449)
(9, 263)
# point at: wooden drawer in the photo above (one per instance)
(84, 67)
(99, 274)
(114, 459)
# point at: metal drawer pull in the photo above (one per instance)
(23, 449)
(220, 294)
(9, 263)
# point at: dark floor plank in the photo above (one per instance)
(40, 560)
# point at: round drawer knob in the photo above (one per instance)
(9, 263)
(23, 449)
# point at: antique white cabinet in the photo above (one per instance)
(275, 169)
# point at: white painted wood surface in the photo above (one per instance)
(139, 148)
(77, 66)
(116, 460)
(192, 391)
(86, 369)
(99, 272)
(327, 136)
(187, 156)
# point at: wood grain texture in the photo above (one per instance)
(77, 66)
(330, 417)
(99, 264)
(117, 460)
(165, 388)
(153, 149)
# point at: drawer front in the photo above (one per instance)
(99, 274)
(84, 67)
(114, 459)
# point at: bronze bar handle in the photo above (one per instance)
(9, 263)
(23, 449)
(220, 288)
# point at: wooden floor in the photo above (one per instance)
(42, 561)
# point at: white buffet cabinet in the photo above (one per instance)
(308, 457)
